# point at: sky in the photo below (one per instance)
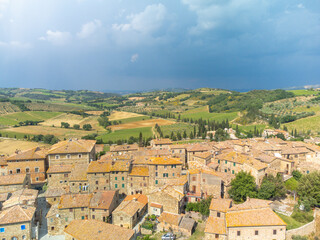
(140, 45)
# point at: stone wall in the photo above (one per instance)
(302, 231)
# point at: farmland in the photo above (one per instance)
(7, 107)
(203, 113)
(119, 115)
(9, 146)
(125, 134)
(14, 118)
(306, 124)
(304, 92)
(142, 124)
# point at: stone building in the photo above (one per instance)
(253, 219)
(138, 180)
(78, 181)
(32, 162)
(13, 182)
(167, 199)
(72, 151)
(17, 222)
(130, 211)
(203, 183)
(162, 168)
(98, 175)
(85, 229)
(58, 175)
(162, 143)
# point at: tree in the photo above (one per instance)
(272, 188)
(309, 187)
(242, 186)
(184, 134)
(292, 185)
(296, 174)
(87, 127)
(76, 126)
(221, 135)
(65, 125)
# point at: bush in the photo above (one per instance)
(302, 217)
(148, 225)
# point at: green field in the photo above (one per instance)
(291, 223)
(205, 115)
(305, 124)
(133, 119)
(125, 134)
(14, 118)
(304, 92)
(177, 127)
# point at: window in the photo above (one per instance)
(218, 214)
(217, 236)
(232, 171)
(234, 164)
(37, 179)
(256, 232)
(93, 217)
(57, 157)
(156, 181)
(49, 175)
(131, 184)
(226, 162)
(82, 217)
(79, 155)
(27, 170)
(165, 167)
(52, 228)
(97, 182)
(173, 166)
(121, 218)
(116, 178)
(18, 170)
(10, 172)
(1, 230)
(36, 169)
(145, 184)
(23, 227)
(238, 233)
(274, 232)
(122, 178)
(225, 170)
(172, 174)
(82, 209)
(156, 167)
(156, 174)
(66, 219)
(116, 185)
(24, 237)
(193, 178)
(218, 161)
(70, 210)
(68, 156)
(122, 185)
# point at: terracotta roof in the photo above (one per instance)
(251, 203)
(120, 148)
(98, 167)
(60, 169)
(215, 225)
(182, 180)
(165, 161)
(155, 205)
(132, 204)
(162, 141)
(203, 155)
(140, 171)
(253, 217)
(12, 179)
(256, 164)
(198, 148)
(55, 192)
(17, 214)
(170, 218)
(97, 230)
(72, 146)
(79, 173)
(34, 153)
(187, 223)
(120, 166)
(179, 146)
(172, 192)
(220, 204)
(138, 197)
(75, 200)
(102, 200)
(23, 196)
(53, 211)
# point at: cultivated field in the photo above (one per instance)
(142, 124)
(11, 119)
(96, 113)
(61, 133)
(9, 146)
(7, 107)
(204, 113)
(305, 124)
(126, 134)
(117, 115)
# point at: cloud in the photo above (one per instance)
(147, 21)
(300, 5)
(134, 58)
(15, 44)
(57, 37)
(89, 28)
